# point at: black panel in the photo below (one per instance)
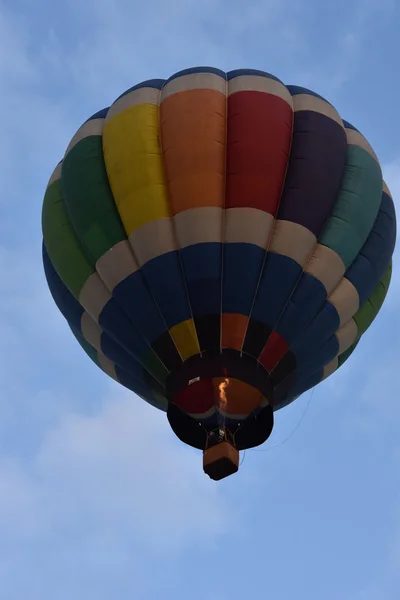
(255, 429)
(256, 337)
(187, 429)
(166, 350)
(209, 332)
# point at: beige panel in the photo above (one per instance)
(355, 138)
(107, 366)
(56, 174)
(197, 225)
(195, 81)
(205, 415)
(153, 239)
(330, 368)
(94, 296)
(256, 83)
(91, 331)
(327, 266)
(308, 102)
(345, 299)
(346, 336)
(386, 189)
(248, 226)
(292, 240)
(264, 402)
(116, 264)
(237, 416)
(92, 127)
(145, 95)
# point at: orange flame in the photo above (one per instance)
(223, 401)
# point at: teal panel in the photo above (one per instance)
(356, 207)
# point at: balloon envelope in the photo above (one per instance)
(218, 243)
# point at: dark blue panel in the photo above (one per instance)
(374, 258)
(118, 356)
(205, 297)
(64, 300)
(315, 170)
(277, 282)
(202, 261)
(311, 362)
(135, 299)
(295, 90)
(202, 267)
(101, 114)
(321, 328)
(195, 70)
(164, 278)
(138, 386)
(308, 297)
(301, 386)
(113, 321)
(242, 268)
(256, 72)
(349, 125)
(305, 384)
(72, 311)
(151, 83)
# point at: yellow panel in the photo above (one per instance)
(185, 338)
(134, 165)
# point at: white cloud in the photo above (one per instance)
(103, 492)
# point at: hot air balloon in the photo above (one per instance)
(218, 243)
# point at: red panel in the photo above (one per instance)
(259, 137)
(197, 398)
(273, 351)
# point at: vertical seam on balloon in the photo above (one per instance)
(223, 219)
(270, 235)
(148, 288)
(133, 254)
(91, 261)
(173, 225)
(355, 342)
(302, 274)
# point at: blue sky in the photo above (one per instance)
(98, 500)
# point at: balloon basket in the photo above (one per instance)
(220, 461)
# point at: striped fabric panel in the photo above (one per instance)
(218, 211)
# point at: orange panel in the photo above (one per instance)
(193, 137)
(235, 397)
(234, 328)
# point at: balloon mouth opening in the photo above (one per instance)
(220, 405)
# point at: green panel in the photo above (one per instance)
(155, 367)
(61, 243)
(157, 390)
(356, 207)
(161, 401)
(343, 357)
(88, 198)
(369, 310)
(90, 351)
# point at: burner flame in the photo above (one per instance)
(223, 401)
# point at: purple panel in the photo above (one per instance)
(315, 170)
